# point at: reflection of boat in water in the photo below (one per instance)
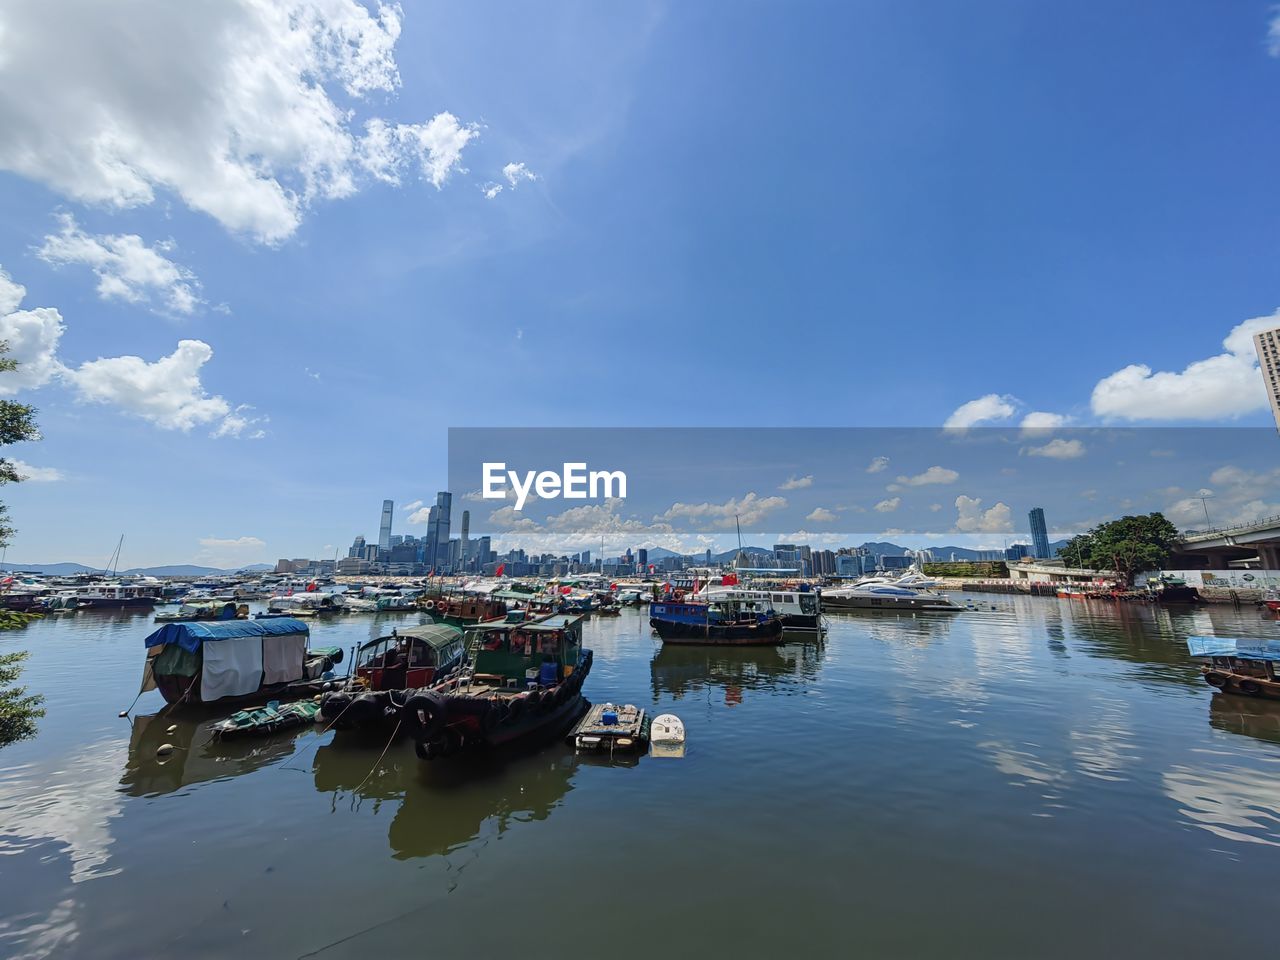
(198, 755)
(445, 806)
(1246, 716)
(682, 670)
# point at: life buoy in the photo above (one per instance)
(1215, 679)
(430, 604)
(1251, 687)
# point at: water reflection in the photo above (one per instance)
(445, 806)
(916, 628)
(1231, 802)
(1246, 716)
(197, 756)
(681, 670)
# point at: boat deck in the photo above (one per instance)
(609, 728)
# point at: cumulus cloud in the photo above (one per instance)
(888, 506)
(1041, 420)
(971, 518)
(25, 471)
(32, 337)
(243, 109)
(934, 474)
(516, 172)
(231, 551)
(1226, 385)
(1238, 496)
(1057, 449)
(797, 483)
(992, 407)
(877, 464)
(821, 515)
(126, 268)
(748, 510)
(412, 505)
(491, 190)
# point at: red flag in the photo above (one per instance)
(651, 568)
(501, 567)
(289, 592)
(729, 580)
(566, 589)
(613, 586)
(311, 587)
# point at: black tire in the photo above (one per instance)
(423, 715)
(429, 749)
(1251, 687)
(1215, 680)
(515, 707)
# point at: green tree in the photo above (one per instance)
(1128, 546)
(18, 710)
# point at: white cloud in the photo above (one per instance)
(167, 392)
(1040, 420)
(888, 506)
(231, 551)
(797, 483)
(127, 269)
(36, 474)
(412, 505)
(971, 518)
(421, 515)
(935, 507)
(983, 410)
(749, 510)
(1057, 449)
(1226, 385)
(491, 190)
(877, 464)
(1238, 496)
(934, 474)
(32, 337)
(821, 515)
(515, 172)
(231, 106)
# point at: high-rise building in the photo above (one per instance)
(1267, 343)
(384, 528)
(357, 548)
(642, 558)
(1039, 534)
(438, 531)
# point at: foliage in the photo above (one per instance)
(18, 710)
(17, 423)
(986, 569)
(1128, 546)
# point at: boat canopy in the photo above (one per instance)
(1245, 649)
(435, 635)
(191, 635)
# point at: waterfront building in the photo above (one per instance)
(1039, 534)
(384, 528)
(1015, 552)
(357, 548)
(1267, 343)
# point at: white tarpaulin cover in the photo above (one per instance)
(282, 657)
(232, 668)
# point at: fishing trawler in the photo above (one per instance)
(524, 678)
(799, 608)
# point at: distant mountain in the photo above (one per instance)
(172, 570)
(53, 569)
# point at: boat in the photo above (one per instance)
(271, 718)
(112, 596)
(714, 622)
(465, 610)
(236, 662)
(606, 728)
(523, 679)
(799, 608)
(1170, 589)
(879, 593)
(190, 612)
(1072, 592)
(295, 605)
(1240, 666)
(408, 658)
(1271, 600)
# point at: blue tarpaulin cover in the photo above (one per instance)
(1246, 649)
(189, 636)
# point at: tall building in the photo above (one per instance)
(384, 528)
(1039, 534)
(1267, 343)
(438, 531)
(357, 548)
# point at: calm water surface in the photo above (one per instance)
(1036, 778)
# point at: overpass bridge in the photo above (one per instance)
(1219, 546)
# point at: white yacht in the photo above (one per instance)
(912, 591)
(798, 609)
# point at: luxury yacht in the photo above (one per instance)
(908, 592)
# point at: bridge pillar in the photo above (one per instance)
(1269, 555)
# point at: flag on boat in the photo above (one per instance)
(729, 580)
(501, 567)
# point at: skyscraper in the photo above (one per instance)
(438, 531)
(1267, 343)
(1039, 534)
(384, 529)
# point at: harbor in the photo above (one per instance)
(1018, 766)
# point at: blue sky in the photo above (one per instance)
(836, 214)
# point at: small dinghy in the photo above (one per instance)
(608, 729)
(269, 719)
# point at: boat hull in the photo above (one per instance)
(115, 603)
(1241, 684)
(766, 633)
(837, 604)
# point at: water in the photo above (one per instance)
(1043, 778)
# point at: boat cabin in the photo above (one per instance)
(410, 657)
(714, 612)
(539, 652)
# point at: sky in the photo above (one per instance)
(259, 256)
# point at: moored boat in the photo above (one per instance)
(464, 610)
(1239, 666)
(714, 622)
(236, 662)
(881, 594)
(192, 612)
(524, 679)
(799, 608)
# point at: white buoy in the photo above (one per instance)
(667, 728)
(173, 728)
(164, 749)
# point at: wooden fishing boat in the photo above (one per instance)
(204, 610)
(1239, 666)
(715, 622)
(236, 662)
(464, 610)
(523, 679)
(407, 659)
